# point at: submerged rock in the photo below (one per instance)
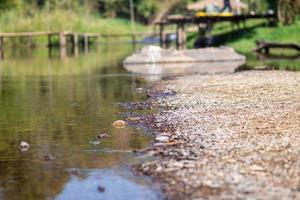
(49, 157)
(103, 135)
(101, 188)
(24, 146)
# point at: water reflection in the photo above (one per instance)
(279, 61)
(58, 107)
(104, 184)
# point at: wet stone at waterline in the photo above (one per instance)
(119, 124)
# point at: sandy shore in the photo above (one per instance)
(234, 136)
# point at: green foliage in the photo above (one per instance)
(9, 4)
(59, 20)
(147, 8)
(288, 34)
(285, 34)
(288, 10)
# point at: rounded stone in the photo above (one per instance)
(119, 124)
(162, 138)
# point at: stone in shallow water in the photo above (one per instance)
(161, 62)
(24, 146)
(94, 142)
(155, 54)
(49, 157)
(103, 135)
(101, 188)
(119, 124)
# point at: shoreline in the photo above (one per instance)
(226, 136)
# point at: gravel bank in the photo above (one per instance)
(234, 136)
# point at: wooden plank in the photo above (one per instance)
(203, 19)
(263, 45)
(27, 34)
(129, 34)
(32, 34)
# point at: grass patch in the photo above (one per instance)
(288, 34)
(243, 41)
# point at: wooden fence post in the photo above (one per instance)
(181, 36)
(49, 40)
(1, 48)
(75, 43)
(62, 39)
(133, 38)
(75, 39)
(86, 40)
(30, 42)
(86, 43)
(161, 34)
(1, 42)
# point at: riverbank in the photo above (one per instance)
(232, 136)
(243, 41)
(279, 33)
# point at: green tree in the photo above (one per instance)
(146, 9)
(8, 4)
(288, 10)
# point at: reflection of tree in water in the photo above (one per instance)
(58, 116)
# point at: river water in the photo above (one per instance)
(59, 105)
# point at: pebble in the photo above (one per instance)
(24, 146)
(101, 188)
(103, 135)
(49, 157)
(162, 138)
(119, 124)
(94, 142)
(139, 90)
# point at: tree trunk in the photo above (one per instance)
(287, 11)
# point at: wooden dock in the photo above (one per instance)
(205, 24)
(72, 39)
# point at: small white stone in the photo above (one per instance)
(95, 142)
(24, 146)
(162, 138)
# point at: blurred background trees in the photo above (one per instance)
(145, 10)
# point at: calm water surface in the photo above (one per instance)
(59, 105)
